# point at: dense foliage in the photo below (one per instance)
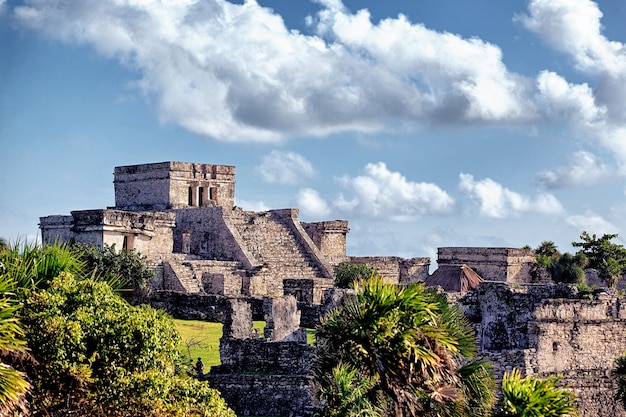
(607, 257)
(619, 376)
(566, 268)
(127, 268)
(346, 274)
(99, 355)
(13, 384)
(400, 351)
(534, 397)
(89, 351)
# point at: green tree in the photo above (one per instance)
(31, 266)
(345, 394)
(346, 274)
(607, 257)
(13, 384)
(127, 268)
(98, 355)
(534, 397)
(567, 269)
(619, 376)
(416, 351)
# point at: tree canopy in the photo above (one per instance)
(413, 353)
(607, 257)
(89, 351)
(346, 274)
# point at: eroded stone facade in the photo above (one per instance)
(182, 217)
(492, 264)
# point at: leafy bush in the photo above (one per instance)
(98, 355)
(127, 268)
(532, 397)
(346, 274)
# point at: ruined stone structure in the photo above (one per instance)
(217, 262)
(182, 217)
(540, 329)
(547, 329)
(492, 264)
(265, 376)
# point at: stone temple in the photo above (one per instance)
(182, 217)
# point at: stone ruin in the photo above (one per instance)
(264, 376)
(214, 261)
(182, 217)
(540, 329)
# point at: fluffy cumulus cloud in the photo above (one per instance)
(574, 27)
(591, 223)
(236, 72)
(312, 204)
(381, 194)
(585, 170)
(285, 168)
(497, 201)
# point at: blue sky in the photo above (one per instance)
(423, 123)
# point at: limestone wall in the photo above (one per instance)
(492, 264)
(395, 269)
(166, 185)
(330, 239)
(55, 228)
(545, 329)
(263, 376)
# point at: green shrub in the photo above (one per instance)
(98, 355)
(533, 397)
(346, 274)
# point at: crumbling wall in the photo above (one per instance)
(264, 376)
(492, 264)
(545, 329)
(396, 270)
(330, 239)
(166, 185)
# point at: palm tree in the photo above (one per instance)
(12, 383)
(619, 375)
(408, 342)
(529, 397)
(345, 394)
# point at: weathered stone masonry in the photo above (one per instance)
(182, 217)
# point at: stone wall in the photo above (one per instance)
(264, 376)
(545, 329)
(395, 269)
(330, 238)
(492, 264)
(55, 228)
(166, 185)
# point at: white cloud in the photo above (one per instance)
(311, 204)
(591, 223)
(568, 101)
(500, 202)
(585, 170)
(285, 168)
(573, 27)
(235, 72)
(381, 193)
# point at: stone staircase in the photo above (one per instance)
(187, 279)
(274, 244)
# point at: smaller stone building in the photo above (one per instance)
(492, 264)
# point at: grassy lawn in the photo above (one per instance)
(201, 339)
